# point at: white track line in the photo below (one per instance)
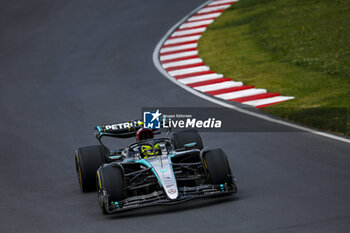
(178, 55)
(200, 78)
(214, 8)
(182, 63)
(189, 70)
(239, 94)
(196, 24)
(221, 2)
(180, 47)
(206, 16)
(218, 86)
(182, 39)
(189, 31)
(268, 100)
(158, 65)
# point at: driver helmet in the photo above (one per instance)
(144, 134)
(148, 150)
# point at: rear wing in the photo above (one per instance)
(119, 130)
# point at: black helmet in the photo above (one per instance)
(144, 134)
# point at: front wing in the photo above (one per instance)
(159, 197)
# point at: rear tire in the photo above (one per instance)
(109, 179)
(181, 138)
(217, 166)
(87, 160)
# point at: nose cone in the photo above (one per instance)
(164, 171)
(171, 190)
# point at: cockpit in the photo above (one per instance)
(151, 147)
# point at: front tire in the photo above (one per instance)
(87, 160)
(110, 186)
(217, 167)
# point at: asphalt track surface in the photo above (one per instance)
(67, 65)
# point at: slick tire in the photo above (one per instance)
(217, 167)
(110, 185)
(181, 138)
(87, 160)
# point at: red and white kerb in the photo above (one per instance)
(179, 57)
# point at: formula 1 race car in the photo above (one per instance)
(151, 171)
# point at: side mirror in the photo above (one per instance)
(190, 145)
(115, 157)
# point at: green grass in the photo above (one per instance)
(297, 48)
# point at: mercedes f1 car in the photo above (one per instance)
(151, 171)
